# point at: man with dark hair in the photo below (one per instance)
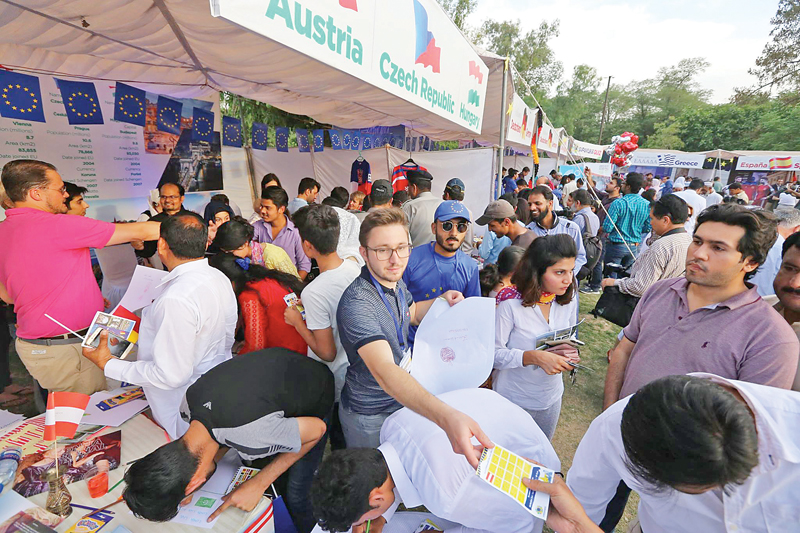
(171, 196)
(373, 318)
(187, 330)
(45, 269)
(276, 228)
(523, 175)
(415, 465)
(442, 266)
(627, 222)
(612, 194)
(510, 182)
(454, 190)
(546, 222)
(787, 289)
(420, 209)
(400, 198)
(666, 257)
(691, 195)
(704, 453)
(76, 205)
(270, 180)
(737, 192)
(307, 193)
(788, 224)
(501, 219)
(340, 196)
(278, 428)
(319, 229)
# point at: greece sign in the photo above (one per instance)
(409, 48)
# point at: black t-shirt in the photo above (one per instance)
(250, 402)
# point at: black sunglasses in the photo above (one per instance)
(461, 226)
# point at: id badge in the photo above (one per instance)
(405, 362)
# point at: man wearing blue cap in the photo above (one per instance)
(454, 190)
(441, 266)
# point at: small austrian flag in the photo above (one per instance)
(64, 413)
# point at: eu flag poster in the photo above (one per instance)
(336, 139)
(258, 135)
(168, 115)
(20, 96)
(319, 140)
(80, 102)
(202, 125)
(302, 139)
(130, 105)
(231, 132)
(282, 139)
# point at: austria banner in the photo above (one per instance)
(64, 413)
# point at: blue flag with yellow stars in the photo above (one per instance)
(202, 125)
(231, 132)
(355, 140)
(168, 115)
(80, 102)
(130, 105)
(282, 139)
(346, 139)
(319, 140)
(258, 136)
(20, 96)
(367, 141)
(336, 139)
(302, 139)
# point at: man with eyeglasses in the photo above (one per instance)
(171, 197)
(441, 266)
(373, 318)
(45, 270)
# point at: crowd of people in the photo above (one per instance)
(281, 334)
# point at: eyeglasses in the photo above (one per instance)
(383, 254)
(461, 226)
(169, 197)
(62, 190)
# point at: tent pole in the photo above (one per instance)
(503, 103)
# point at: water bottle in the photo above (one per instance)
(9, 461)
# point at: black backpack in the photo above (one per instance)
(593, 246)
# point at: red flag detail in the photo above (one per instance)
(431, 56)
(125, 313)
(349, 4)
(64, 413)
(475, 70)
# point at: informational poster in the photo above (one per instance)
(112, 160)
(521, 123)
(410, 49)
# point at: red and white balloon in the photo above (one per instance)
(622, 148)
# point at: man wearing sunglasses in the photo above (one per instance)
(441, 266)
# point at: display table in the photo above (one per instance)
(140, 436)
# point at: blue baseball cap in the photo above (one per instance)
(456, 183)
(451, 209)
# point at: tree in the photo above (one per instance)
(778, 65)
(666, 136)
(578, 104)
(459, 10)
(530, 54)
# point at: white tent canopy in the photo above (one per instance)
(177, 48)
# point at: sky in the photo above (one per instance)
(632, 40)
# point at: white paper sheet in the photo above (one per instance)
(143, 288)
(406, 522)
(116, 416)
(454, 346)
(7, 418)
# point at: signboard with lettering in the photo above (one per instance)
(656, 159)
(774, 163)
(410, 48)
(521, 123)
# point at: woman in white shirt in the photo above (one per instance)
(545, 302)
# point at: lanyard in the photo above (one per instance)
(399, 328)
(439, 270)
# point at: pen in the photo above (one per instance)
(93, 509)
(369, 523)
(117, 484)
(576, 365)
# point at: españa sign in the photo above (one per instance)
(774, 163)
(409, 48)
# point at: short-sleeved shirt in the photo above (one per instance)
(420, 213)
(741, 338)
(45, 267)
(321, 300)
(251, 402)
(363, 318)
(429, 275)
(524, 239)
